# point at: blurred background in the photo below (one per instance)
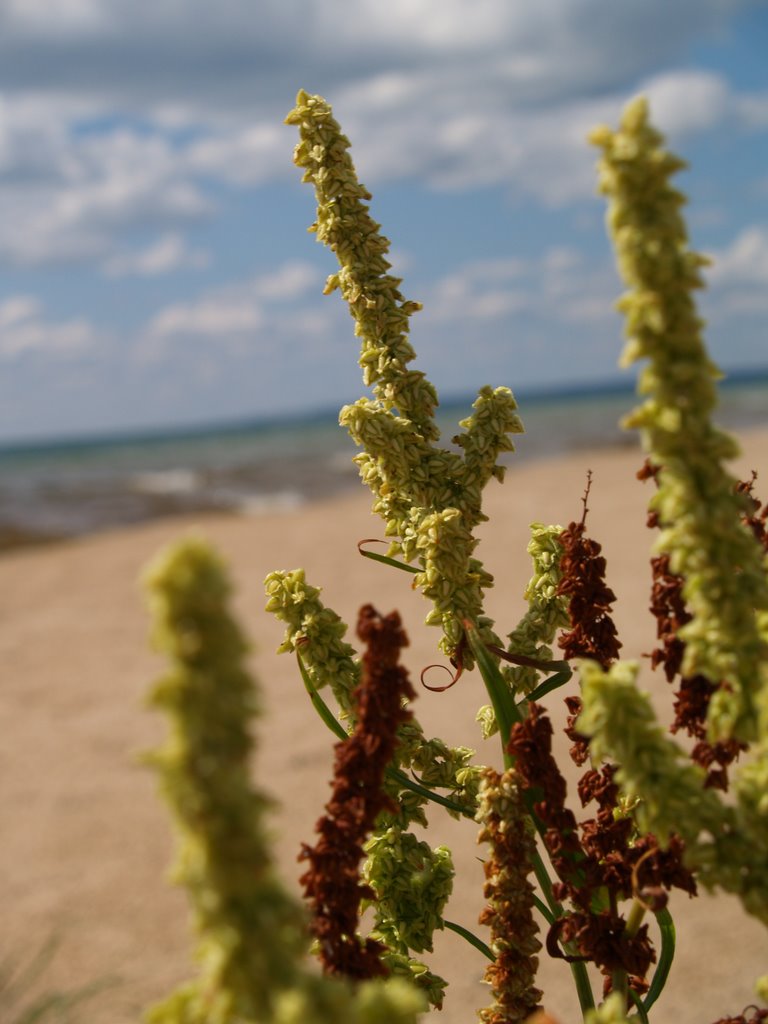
(155, 271)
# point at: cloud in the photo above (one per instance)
(115, 115)
(236, 309)
(211, 317)
(287, 282)
(168, 253)
(65, 197)
(738, 276)
(23, 330)
(16, 309)
(231, 56)
(744, 261)
(561, 286)
(243, 154)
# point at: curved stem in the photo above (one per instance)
(471, 938)
(415, 787)
(395, 773)
(666, 955)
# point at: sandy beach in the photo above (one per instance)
(86, 841)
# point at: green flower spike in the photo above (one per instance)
(726, 845)
(506, 829)
(721, 562)
(412, 883)
(547, 613)
(222, 860)
(429, 497)
(317, 633)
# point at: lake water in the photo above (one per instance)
(71, 487)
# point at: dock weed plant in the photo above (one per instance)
(589, 887)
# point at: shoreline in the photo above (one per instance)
(57, 490)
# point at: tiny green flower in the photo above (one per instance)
(412, 883)
(429, 497)
(611, 1011)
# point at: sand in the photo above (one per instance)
(86, 842)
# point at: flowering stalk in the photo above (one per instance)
(223, 858)
(332, 881)
(506, 829)
(429, 497)
(411, 881)
(536, 630)
(317, 633)
(718, 558)
(726, 845)
(706, 532)
(695, 693)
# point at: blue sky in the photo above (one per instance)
(154, 262)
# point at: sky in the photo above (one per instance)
(155, 268)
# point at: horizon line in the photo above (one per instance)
(326, 414)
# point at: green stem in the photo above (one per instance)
(319, 704)
(415, 787)
(619, 979)
(635, 918)
(337, 729)
(471, 938)
(666, 955)
(578, 969)
(544, 910)
(641, 1012)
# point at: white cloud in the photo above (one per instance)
(210, 317)
(684, 102)
(240, 307)
(467, 132)
(481, 290)
(23, 329)
(65, 196)
(242, 154)
(231, 55)
(17, 308)
(287, 282)
(739, 275)
(35, 17)
(744, 261)
(273, 322)
(168, 253)
(560, 286)
(116, 115)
